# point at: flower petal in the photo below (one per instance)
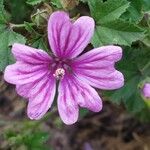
(86, 96)
(41, 96)
(33, 77)
(30, 55)
(23, 73)
(146, 90)
(32, 64)
(69, 39)
(97, 67)
(23, 90)
(67, 106)
(72, 92)
(26, 90)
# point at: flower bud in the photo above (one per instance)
(69, 4)
(146, 91)
(42, 14)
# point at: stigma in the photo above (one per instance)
(59, 73)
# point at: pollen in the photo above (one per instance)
(59, 73)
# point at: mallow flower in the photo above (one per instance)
(146, 90)
(36, 73)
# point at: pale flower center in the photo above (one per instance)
(59, 73)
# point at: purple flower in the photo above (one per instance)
(35, 73)
(146, 90)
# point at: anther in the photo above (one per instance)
(59, 73)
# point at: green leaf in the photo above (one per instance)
(110, 10)
(34, 2)
(135, 103)
(144, 115)
(3, 15)
(134, 12)
(134, 70)
(125, 92)
(117, 32)
(146, 39)
(37, 40)
(26, 135)
(19, 10)
(7, 38)
(56, 3)
(2, 11)
(83, 112)
(40, 43)
(146, 5)
(36, 140)
(84, 1)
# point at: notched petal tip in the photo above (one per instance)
(122, 80)
(87, 22)
(7, 74)
(56, 17)
(34, 116)
(69, 114)
(113, 51)
(119, 77)
(67, 106)
(95, 106)
(98, 105)
(119, 52)
(71, 117)
(41, 98)
(68, 39)
(97, 67)
(16, 46)
(58, 14)
(90, 99)
(36, 113)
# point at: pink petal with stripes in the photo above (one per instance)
(74, 93)
(97, 67)
(68, 39)
(41, 97)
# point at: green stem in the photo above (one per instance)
(12, 26)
